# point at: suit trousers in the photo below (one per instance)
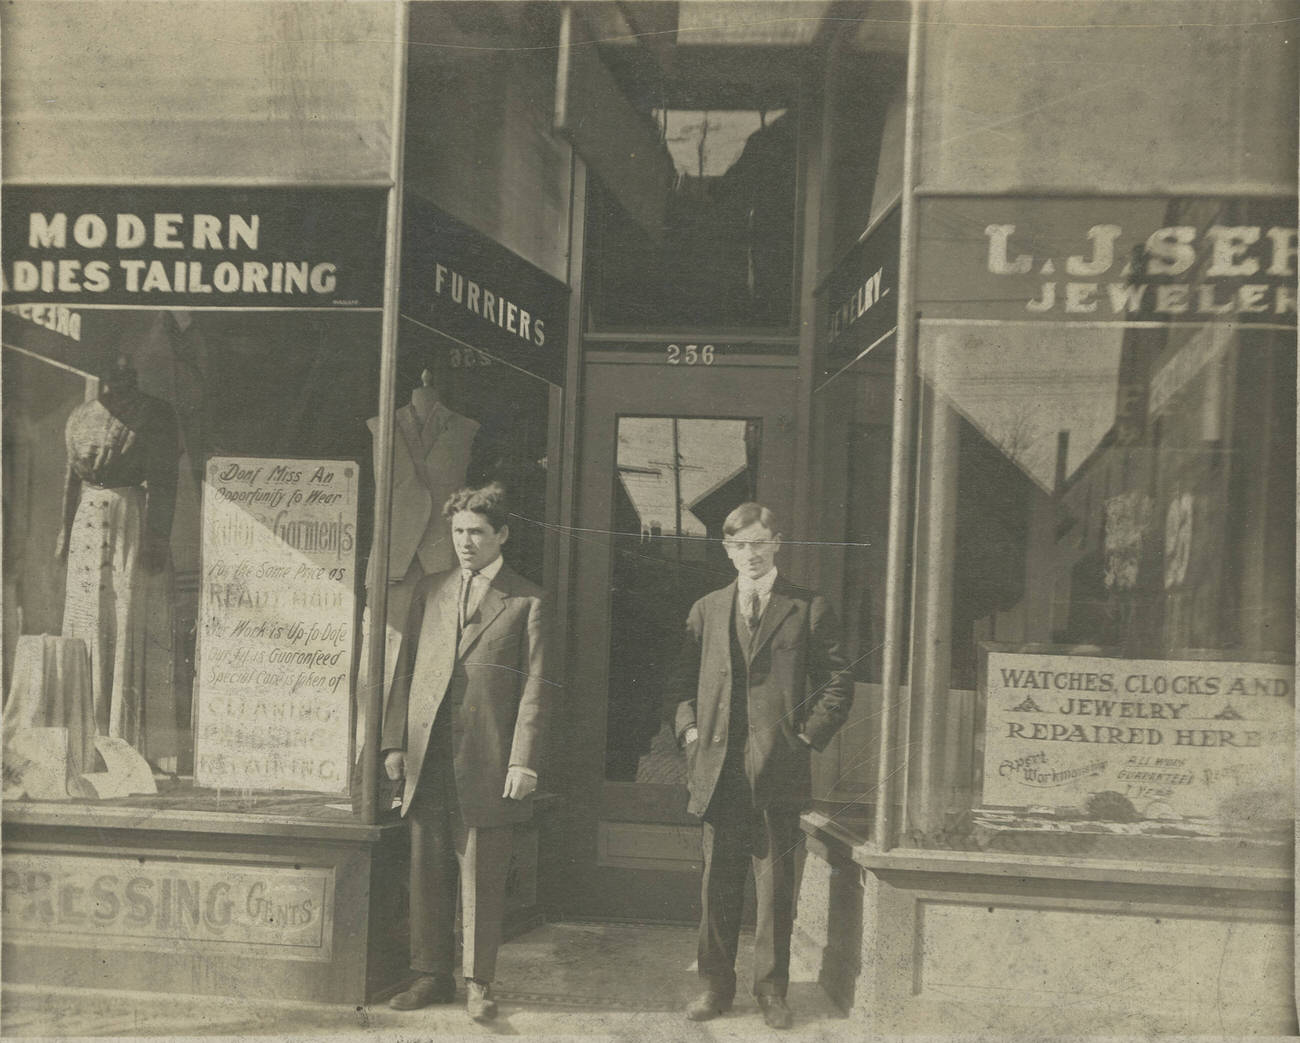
(736, 836)
(444, 848)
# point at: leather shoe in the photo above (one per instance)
(775, 1013)
(423, 992)
(479, 1002)
(707, 1005)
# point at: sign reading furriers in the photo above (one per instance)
(470, 288)
(193, 247)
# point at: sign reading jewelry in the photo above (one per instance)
(1174, 738)
(192, 247)
(275, 624)
(860, 300)
(146, 903)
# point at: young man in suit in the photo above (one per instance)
(463, 728)
(760, 683)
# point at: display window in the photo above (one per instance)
(1103, 617)
(188, 375)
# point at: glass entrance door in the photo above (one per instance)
(666, 455)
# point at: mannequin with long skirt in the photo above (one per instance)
(118, 502)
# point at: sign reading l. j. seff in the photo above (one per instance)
(1176, 738)
(860, 299)
(193, 247)
(1108, 260)
(461, 283)
(277, 594)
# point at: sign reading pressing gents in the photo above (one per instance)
(193, 247)
(462, 284)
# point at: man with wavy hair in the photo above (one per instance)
(463, 727)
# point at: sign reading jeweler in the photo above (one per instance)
(1176, 738)
(275, 624)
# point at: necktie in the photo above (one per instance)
(466, 594)
(753, 611)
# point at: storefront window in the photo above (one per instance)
(1105, 528)
(157, 564)
(188, 375)
(724, 254)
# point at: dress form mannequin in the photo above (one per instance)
(424, 397)
(431, 455)
(117, 515)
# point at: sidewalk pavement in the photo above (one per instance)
(571, 980)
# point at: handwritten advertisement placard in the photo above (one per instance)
(1175, 738)
(276, 624)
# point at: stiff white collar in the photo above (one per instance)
(488, 572)
(761, 586)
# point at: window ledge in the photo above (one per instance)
(1051, 867)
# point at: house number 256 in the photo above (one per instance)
(690, 355)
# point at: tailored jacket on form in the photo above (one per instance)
(501, 653)
(796, 682)
(430, 462)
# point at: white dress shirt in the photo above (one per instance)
(746, 588)
(478, 584)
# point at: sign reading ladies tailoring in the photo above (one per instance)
(460, 283)
(193, 247)
(1109, 260)
(1176, 738)
(275, 623)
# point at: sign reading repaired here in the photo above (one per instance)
(1175, 738)
(145, 903)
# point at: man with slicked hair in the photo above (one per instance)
(760, 683)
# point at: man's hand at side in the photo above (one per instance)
(520, 782)
(395, 764)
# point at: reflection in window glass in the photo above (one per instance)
(676, 481)
(1114, 509)
(724, 255)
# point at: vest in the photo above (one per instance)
(738, 725)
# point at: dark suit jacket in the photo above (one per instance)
(502, 651)
(797, 684)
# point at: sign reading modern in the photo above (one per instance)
(1191, 739)
(276, 624)
(193, 247)
(462, 284)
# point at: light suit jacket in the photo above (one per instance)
(430, 462)
(797, 683)
(502, 651)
